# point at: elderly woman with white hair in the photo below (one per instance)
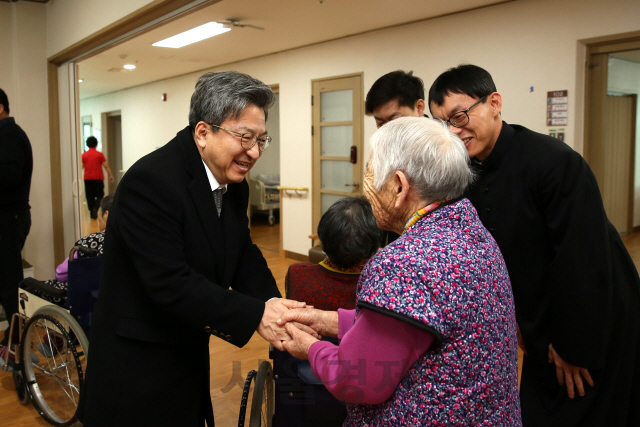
(432, 340)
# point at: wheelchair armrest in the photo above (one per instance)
(88, 252)
(30, 283)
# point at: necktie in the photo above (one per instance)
(217, 197)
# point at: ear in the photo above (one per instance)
(400, 189)
(200, 134)
(419, 107)
(105, 215)
(495, 101)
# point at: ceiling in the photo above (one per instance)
(287, 24)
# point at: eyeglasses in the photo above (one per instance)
(248, 140)
(461, 118)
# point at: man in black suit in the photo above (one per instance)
(180, 267)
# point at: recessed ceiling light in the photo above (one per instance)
(193, 35)
(129, 67)
(79, 80)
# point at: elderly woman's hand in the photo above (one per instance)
(322, 322)
(300, 342)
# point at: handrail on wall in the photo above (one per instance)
(298, 190)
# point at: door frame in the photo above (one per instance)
(147, 18)
(595, 76)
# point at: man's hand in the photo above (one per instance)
(273, 310)
(300, 342)
(322, 322)
(569, 374)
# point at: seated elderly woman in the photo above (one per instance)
(349, 237)
(433, 338)
(93, 241)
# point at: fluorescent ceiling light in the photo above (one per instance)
(129, 67)
(193, 35)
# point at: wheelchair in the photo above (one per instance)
(289, 394)
(50, 358)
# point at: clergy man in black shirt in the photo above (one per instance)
(576, 290)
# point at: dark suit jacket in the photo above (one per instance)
(169, 264)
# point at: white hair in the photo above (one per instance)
(434, 159)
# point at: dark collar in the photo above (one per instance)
(499, 149)
(7, 121)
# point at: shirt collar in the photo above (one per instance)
(7, 121)
(212, 180)
(499, 149)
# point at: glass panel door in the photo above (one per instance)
(337, 142)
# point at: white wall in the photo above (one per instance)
(522, 44)
(23, 76)
(69, 21)
(624, 78)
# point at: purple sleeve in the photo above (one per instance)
(372, 358)
(62, 270)
(345, 321)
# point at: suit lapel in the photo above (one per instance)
(231, 225)
(202, 197)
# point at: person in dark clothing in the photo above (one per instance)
(576, 289)
(16, 165)
(180, 265)
(396, 94)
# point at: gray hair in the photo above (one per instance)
(434, 160)
(223, 95)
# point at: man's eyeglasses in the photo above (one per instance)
(248, 140)
(461, 118)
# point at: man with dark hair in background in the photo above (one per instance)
(396, 94)
(576, 289)
(93, 161)
(16, 165)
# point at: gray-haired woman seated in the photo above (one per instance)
(432, 340)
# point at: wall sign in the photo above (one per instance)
(557, 107)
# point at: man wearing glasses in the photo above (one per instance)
(575, 287)
(180, 266)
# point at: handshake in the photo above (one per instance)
(293, 326)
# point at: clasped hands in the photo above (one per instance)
(274, 330)
(293, 326)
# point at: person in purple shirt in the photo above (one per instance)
(432, 340)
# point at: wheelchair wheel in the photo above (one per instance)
(21, 385)
(263, 401)
(53, 355)
(245, 397)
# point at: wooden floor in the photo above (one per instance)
(229, 364)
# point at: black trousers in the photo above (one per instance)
(14, 228)
(94, 191)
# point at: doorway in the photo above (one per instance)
(611, 147)
(337, 135)
(113, 138)
(264, 179)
